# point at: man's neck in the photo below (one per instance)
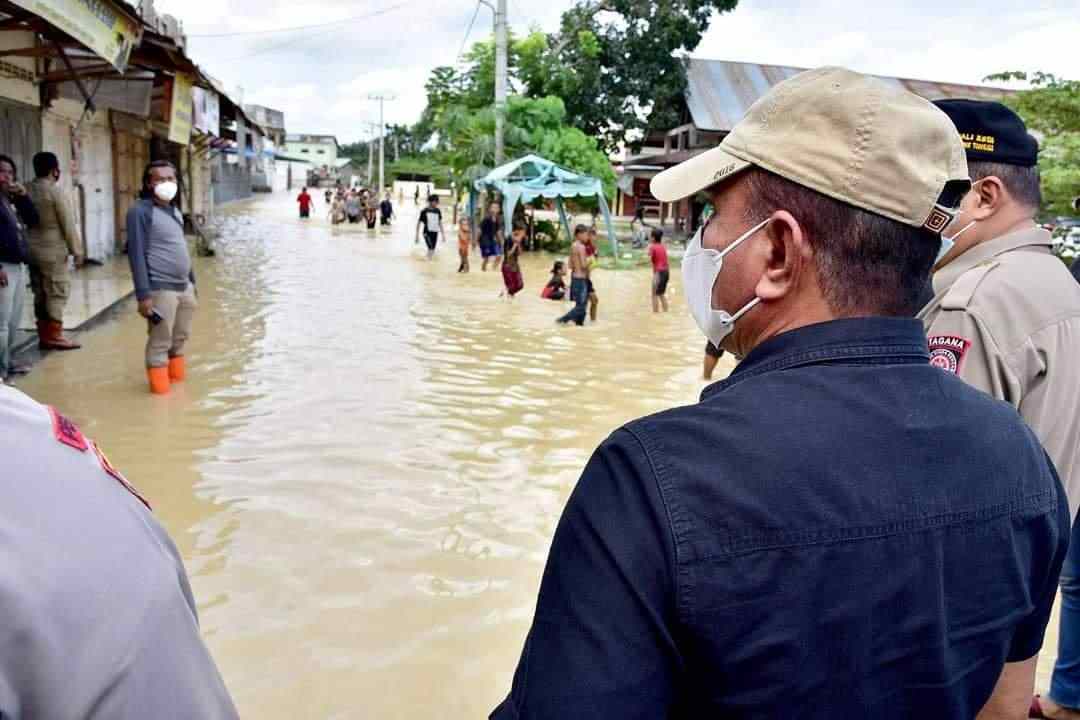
(161, 204)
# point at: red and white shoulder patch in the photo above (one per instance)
(947, 352)
(67, 432)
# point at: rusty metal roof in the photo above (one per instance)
(720, 92)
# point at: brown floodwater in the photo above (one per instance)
(365, 467)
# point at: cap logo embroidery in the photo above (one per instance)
(939, 220)
(724, 172)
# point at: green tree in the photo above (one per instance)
(1051, 108)
(619, 65)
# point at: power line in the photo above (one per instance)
(468, 32)
(338, 27)
(298, 28)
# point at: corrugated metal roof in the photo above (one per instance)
(720, 92)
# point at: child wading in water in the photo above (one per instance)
(464, 240)
(661, 270)
(556, 287)
(511, 268)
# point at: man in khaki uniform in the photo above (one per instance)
(51, 242)
(1005, 316)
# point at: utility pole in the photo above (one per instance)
(382, 141)
(370, 157)
(501, 62)
(500, 80)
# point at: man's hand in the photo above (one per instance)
(3, 279)
(146, 307)
(17, 189)
(79, 261)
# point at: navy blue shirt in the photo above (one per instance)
(836, 530)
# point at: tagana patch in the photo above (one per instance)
(947, 352)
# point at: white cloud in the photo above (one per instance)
(321, 78)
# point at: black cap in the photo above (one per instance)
(991, 132)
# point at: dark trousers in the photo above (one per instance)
(579, 293)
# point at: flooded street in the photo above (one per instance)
(365, 467)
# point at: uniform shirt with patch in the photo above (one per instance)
(1006, 319)
(99, 619)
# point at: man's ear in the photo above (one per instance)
(787, 256)
(989, 195)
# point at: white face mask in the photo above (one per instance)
(166, 191)
(700, 268)
(948, 241)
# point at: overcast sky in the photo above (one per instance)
(322, 77)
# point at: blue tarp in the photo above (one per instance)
(532, 177)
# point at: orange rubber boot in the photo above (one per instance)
(159, 380)
(177, 369)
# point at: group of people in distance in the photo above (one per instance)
(350, 205)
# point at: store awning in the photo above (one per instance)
(109, 28)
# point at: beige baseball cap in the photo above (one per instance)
(856, 138)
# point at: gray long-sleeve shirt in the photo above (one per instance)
(157, 249)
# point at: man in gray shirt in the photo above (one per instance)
(164, 280)
(99, 621)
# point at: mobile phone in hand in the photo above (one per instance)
(155, 316)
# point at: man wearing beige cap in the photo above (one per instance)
(804, 541)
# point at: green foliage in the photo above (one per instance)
(533, 125)
(419, 165)
(1051, 107)
(617, 64)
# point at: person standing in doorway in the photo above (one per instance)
(52, 242)
(431, 222)
(17, 212)
(163, 275)
(579, 278)
(511, 269)
(305, 204)
(661, 270)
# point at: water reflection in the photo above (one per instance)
(366, 466)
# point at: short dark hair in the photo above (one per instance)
(1023, 183)
(867, 263)
(580, 229)
(44, 164)
(9, 161)
(657, 234)
(149, 168)
(431, 198)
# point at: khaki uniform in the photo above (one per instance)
(1006, 318)
(51, 243)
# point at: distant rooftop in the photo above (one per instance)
(316, 139)
(719, 92)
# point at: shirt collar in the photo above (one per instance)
(888, 340)
(1025, 237)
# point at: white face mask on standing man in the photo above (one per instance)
(166, 191)
(701, 267)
